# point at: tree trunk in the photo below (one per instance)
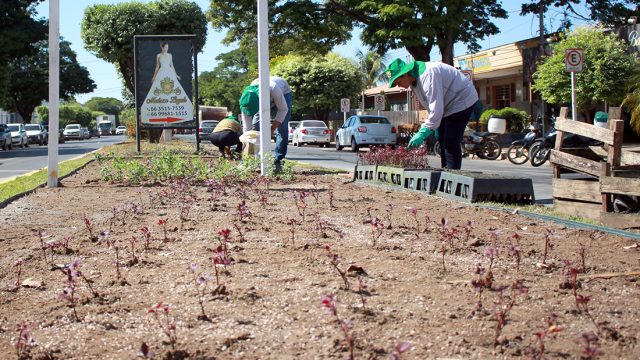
(445, 44)
(420, 52)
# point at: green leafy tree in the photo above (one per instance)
(632, 99)
(607, 12)
(604, 76)
(319, 83)
(373, 68)
(417, 25)
(106, 105)
(107, 30)
(29, 74)
(223, 85)
(70, 113)
(18, 34)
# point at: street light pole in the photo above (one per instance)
(263, 71)
(54, 91)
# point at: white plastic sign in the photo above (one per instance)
(345, 105)
(379, 102)
(573, 60)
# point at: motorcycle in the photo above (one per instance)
(483, 144)
(518, 152)
(540, 151)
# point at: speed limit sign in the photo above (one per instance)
(345, 105)
(573, 60)
(379, 102)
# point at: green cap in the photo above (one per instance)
(250, 100)
(393, 70)
(232, 118)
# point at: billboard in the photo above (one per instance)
(165, 81)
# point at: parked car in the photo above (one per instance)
(366, 130)
(85, 133)
(18, 135)
(73, 131)
(312, 132)
(5, 137)
(37, 134)
(94, 132)
(206, 128)
(292, 127)
(121, 130)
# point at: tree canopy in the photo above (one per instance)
(417, 25)
(29, 74)
(319, 83)
(107, 105)
(373, 67)
(604, 76)
(18, 33)
(70, 113)
(108, 30)
(607, 12)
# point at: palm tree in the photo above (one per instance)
(373, 69)
(631, 101)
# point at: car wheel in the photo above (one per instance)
(354, 145)
(338, 147)
(327, 144)
(40, 142)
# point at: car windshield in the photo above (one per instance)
(13, 128)
(374, 120)
(293, 125)
(122, 127)
(32, 127)
(105, 125)
(314, 124)
(73, 127)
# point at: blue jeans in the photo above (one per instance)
(282, 132)
(451, 131)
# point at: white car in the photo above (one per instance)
(121, 130)
(18, 134)
(312, 132)
(291, 128)
(73, 131)
(366, 130)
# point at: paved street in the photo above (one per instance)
(20, 161)
(345, 160)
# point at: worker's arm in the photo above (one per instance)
(431, 84)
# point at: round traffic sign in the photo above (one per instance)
(574, 57)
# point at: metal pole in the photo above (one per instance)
(195, 95)
(263, 71)
(54, 91)
(540, 56)
(574, 112)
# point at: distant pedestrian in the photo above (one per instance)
(281, 105)
(227, 134)
(448, 96)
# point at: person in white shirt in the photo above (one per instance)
(281, 105)
(449, 98)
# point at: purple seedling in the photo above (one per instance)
(330, 195)
(582, 252)
(163, 223)
(414, 238)
(547, 244)
(146, 352)
(24, 341)
(117, 261)
(590, 348)
(468, 228)
(68, 294)
(42, 235)
(321, 226)
(224, 237)
(549, 330)
(238, 228)
(186, 202)
(104, 236)
(18, 265)
(400, 349)
(334, 261)
(165, 322)
(447, 233)
(479, 284)
(362, 287)
(300, 203)
(314, 193)
(200, 281)
(389, 216)
(329, 304)
(219, 258)
(134, 256)
(514, 249)
(582, 301)
(89, 226)
(377, 227)
(243, 211)
(292, 230)
(146, 236)
(504, 304)
(262, 198)
(414, 213)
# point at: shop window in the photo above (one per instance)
(503, 96)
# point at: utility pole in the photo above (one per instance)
(541, 55)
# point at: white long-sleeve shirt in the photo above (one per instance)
(278, 88)
(443, 90)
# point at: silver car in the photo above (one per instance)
(18, 135)
(73, 131)
(37, 134)
(312, 132)
(366, 130)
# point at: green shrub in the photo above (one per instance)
(517, 120)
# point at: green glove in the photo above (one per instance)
(419, 137)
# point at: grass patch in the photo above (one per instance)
(29, 182)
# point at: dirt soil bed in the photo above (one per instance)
(271, 304)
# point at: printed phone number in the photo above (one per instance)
(172, 113)
(167, 108)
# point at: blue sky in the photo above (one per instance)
(514, 28)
